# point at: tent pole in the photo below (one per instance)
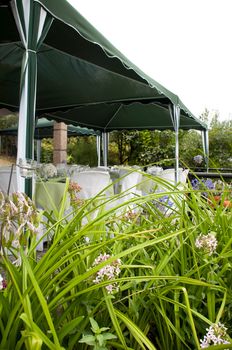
(105, 148)
(98, 144)
(175, 116)
(33, 23)
(205, 143)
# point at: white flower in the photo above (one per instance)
(108, 272)
(207, 243)
(32, 228)
(216, 335)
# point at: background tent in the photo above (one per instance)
(52, 59)
(44, 129)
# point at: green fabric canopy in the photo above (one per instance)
(44, 129)
(77, 66)
(53, 61)
(120, 116)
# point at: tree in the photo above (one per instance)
(220, 143)
(8, 143)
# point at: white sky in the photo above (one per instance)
(185, 45)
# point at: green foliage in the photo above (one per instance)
(8, 143)
(220, 143)
(99, 337)
(82, 150)
(47, 151)
(8, 121)
(146, 147)
(190, 146)
(143, 147)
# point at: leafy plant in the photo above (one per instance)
(98, 338)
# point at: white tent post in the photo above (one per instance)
(105, 139)
(33, 23)
(175, 116)
(205, 142)
(98, 145)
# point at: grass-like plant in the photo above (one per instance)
(150, 273)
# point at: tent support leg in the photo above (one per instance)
(98, 145)
(205, 141)
(105, 140)
(33, 23)
(175, 116)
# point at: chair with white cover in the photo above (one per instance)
(74, 169)
(169, 184)
(92, 182)
(169, 176)
(148, 182)
(154, 170)
(129, 181)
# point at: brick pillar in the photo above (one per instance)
(59, 143)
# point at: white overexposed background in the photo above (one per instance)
(185, 45)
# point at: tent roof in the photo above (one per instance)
(118, 116)
(44, 129)
(78, 68)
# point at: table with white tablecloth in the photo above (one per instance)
(49, 195)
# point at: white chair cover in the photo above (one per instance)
(130, 181)
(148, 184)
(92, 182)
(76, 168)
(169, 176)
(129, 187)
(154, 170)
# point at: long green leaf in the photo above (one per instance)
(41, 299)
(136, 332)
(113, 317)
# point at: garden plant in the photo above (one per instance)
(150, 273)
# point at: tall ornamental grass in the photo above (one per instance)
(151, 273)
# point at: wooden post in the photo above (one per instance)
(59, 143)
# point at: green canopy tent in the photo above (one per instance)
(52, 60)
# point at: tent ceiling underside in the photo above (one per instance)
(81, 82)
(116, 116)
